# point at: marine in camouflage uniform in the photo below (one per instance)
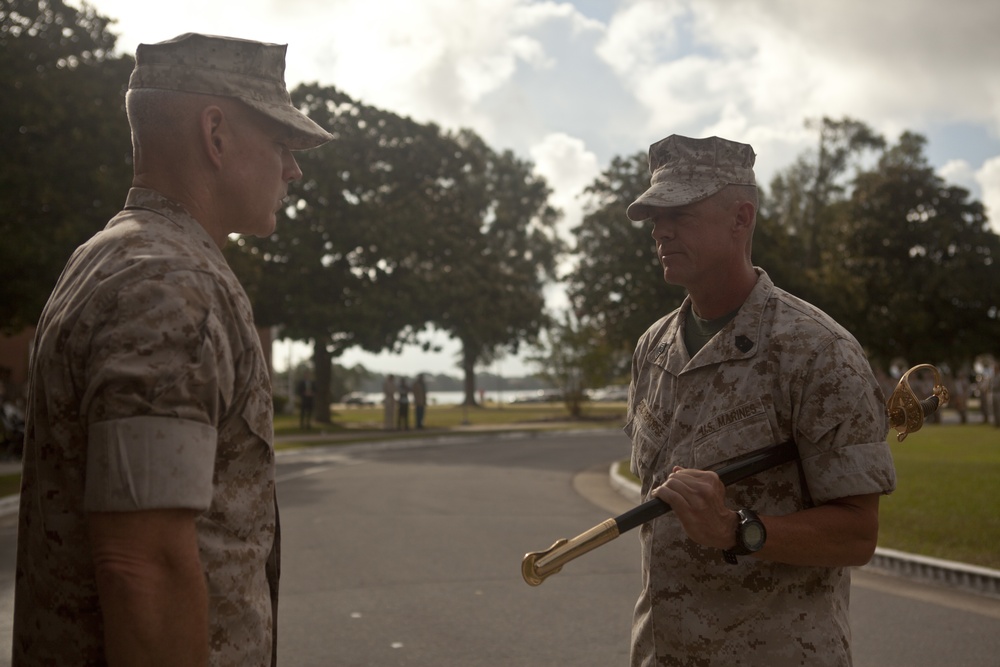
(149, 390)
(777, 370)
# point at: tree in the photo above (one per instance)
(803, 194)
(339, 270)
(617, 284)
(395, 227)
(67, 150)
(798, 222)
(923, 264)
(493, 248)
(574, 357)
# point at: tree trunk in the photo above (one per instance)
(322, 362)
(469, 368)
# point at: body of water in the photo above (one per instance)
(456, 397)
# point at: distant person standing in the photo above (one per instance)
(994, 397)
(404, 405)
(389, 401)
(419, 400)
(958, 396)
(983, 386)
(306, 391)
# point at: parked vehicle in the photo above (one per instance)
(356, 398)
(610, 393)
(539, 396)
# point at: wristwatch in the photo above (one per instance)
(750, 535)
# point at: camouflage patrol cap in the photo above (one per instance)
(686, 170)
(252, 72)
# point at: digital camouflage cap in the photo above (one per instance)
(686, 170)
(252, 72)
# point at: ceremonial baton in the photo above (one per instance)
(906, 414)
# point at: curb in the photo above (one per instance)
(971, 578)
(9, 505)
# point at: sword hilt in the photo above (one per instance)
(906, 411)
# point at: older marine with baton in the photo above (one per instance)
(757, 572)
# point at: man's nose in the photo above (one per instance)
(292, 170)
(662, 230)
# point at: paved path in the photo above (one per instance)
(408, 553)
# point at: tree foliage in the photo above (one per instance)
(395, 227)
(67, 150)
(617, 284)
(573, 356)
(800, 212)
(398, 226)
(863, 229)
(496, 247)
(903, 260)
(921, 262)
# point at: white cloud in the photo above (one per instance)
(571, 84)
(988, 178)
(960, 172)
(566, 164)
(640, 36)
(440, 60)
(698, 67)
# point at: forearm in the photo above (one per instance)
(157, 620)
(153, 598)
(841, 533)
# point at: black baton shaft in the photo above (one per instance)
(748, 466)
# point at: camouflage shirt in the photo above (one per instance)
(149, 390)
(780, 370)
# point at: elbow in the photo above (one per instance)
(864, 543)
(863, 552)
(859, 529)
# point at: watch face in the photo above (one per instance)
(753, 536)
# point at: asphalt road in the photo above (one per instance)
(409, 554)
(414, 559)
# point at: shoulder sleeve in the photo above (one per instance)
(149, 463)
(159, 375)
(163, 352)
(841, 426)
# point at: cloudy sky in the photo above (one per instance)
(569, 85)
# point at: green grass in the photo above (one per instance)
(358, 424)
(10, 485)
(595, 415)
(947, 500)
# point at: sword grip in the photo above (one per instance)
(747, 466)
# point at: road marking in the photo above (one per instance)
(306, 472)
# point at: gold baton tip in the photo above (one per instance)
(530, 572)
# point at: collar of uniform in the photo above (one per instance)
(151, 200)
(740, 339)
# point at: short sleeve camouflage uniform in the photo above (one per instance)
(149, 391)
(780, 370)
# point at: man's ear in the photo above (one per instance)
(746, 212)
(213, 127)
